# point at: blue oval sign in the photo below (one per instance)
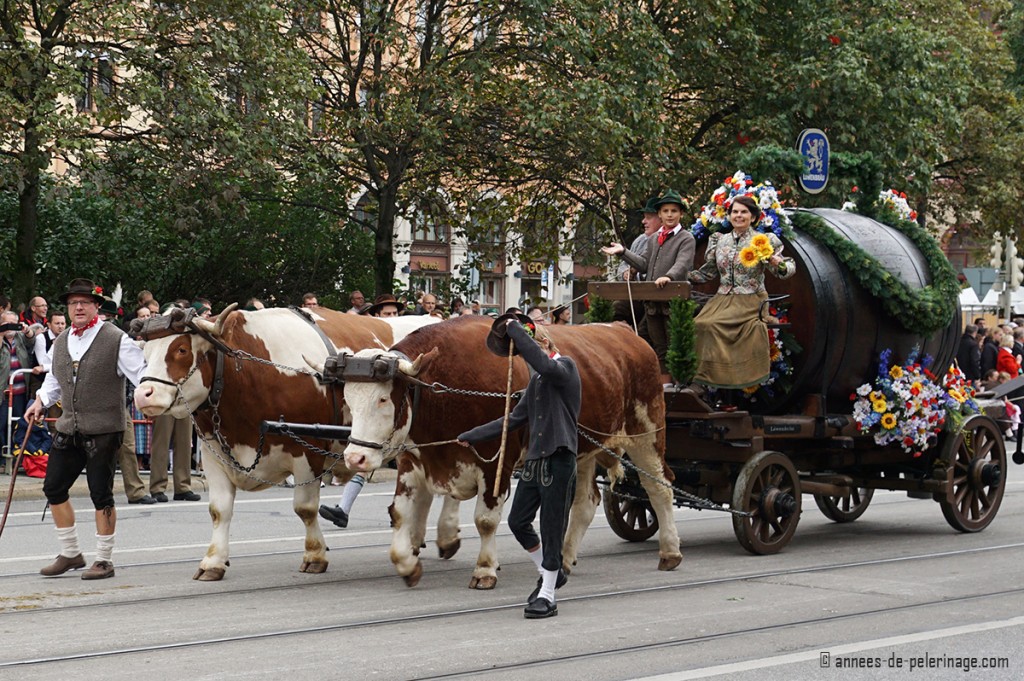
(813, 146)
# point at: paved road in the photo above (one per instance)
(892, 593)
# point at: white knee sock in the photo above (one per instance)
(537, 557)
(104, 547)
(547, 587)
(68, 537)
(351, 491)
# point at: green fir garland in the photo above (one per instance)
(920, 311)
(600, 312)
(681, 358)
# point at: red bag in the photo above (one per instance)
(35, 464)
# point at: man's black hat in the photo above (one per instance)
(83, 287)
(498, 341)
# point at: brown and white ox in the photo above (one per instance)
(623, 408)
(182, 370)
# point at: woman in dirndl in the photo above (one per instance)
(731, 340)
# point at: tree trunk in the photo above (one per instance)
(33, 160)
(383, 251)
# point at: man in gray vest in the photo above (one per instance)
(90, 363)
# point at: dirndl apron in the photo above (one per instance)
(731, 342)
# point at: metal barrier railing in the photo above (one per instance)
(12, 420)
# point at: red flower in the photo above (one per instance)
(913, 215)
(917, 454)
(97, 290)
(742, 139)
(834, 39)
(853, 397)
(854, 190)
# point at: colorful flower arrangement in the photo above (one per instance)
(714, 216)
(782, 345)
(908, 405)
(891, 200)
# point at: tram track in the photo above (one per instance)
(463, 612)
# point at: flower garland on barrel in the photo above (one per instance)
(908, 405)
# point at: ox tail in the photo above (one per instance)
(616, 474)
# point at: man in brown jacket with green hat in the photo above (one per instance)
(90, 363)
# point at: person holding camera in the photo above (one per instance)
(15, 354)
(90, 363)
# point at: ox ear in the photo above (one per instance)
(419, 364)
(215, 328)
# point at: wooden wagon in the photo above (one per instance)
(761, 459)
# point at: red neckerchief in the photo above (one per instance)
(664, 234)
(76, 331)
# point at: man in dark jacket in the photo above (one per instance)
(968, 356)
(551, 407)
(990, 350)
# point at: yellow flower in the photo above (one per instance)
(748, 257)
(879, 406)
(875, 396)
(750, 390)
(775, 353)
(762, 246)
(896, 371)
(888, 421)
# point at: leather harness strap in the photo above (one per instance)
(327, 378)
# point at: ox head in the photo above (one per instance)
(381, 411)
(173, 381)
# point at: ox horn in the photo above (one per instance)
(314, 365)
(215, 328)
(413, 368)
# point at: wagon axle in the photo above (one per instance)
(984, 473)
(774, 503)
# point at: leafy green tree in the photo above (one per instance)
(400, 85)
(197, 84)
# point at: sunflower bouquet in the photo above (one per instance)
(907, 404)
(760, 250)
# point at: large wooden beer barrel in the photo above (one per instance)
(841, 327)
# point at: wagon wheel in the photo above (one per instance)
(631, 519)
(978, 456)
(846, 508)
(767, 487)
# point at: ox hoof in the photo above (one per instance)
(485, 583)
(209, 574)
(448, 552)
(315, 566)
(413, 579)
(567, 569)
(670, 563)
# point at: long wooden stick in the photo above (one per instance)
(504, 424)
(14, 475)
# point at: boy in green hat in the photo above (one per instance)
(669, 257)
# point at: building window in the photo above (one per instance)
(588, 239)
(429, 222)
(364, 215)
(97, 81)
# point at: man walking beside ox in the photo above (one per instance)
(90, 363)
(551, 407)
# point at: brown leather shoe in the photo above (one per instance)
(101, 569)
(62, 565)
